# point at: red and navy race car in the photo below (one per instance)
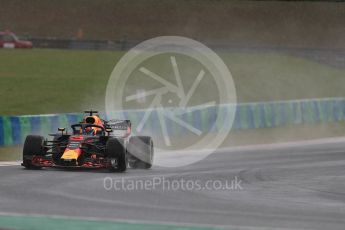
(93, 143)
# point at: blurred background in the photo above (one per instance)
(252, 24)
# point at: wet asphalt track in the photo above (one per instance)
(292, 187)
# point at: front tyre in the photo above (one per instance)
(33, 146)
(116, 154)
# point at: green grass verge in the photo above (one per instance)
(11, 153)
(43, 222)
(53, 81)
(42, 81)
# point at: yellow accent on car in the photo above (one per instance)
(70, 154)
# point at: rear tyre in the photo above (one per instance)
(141, 152)
(33, 146)
(116, 154)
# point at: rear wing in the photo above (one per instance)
(121, 128)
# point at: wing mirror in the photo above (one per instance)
(109, 130)
(61, 130)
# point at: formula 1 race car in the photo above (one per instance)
(94, 143)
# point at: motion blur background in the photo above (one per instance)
(252, 24)
(277, 51)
